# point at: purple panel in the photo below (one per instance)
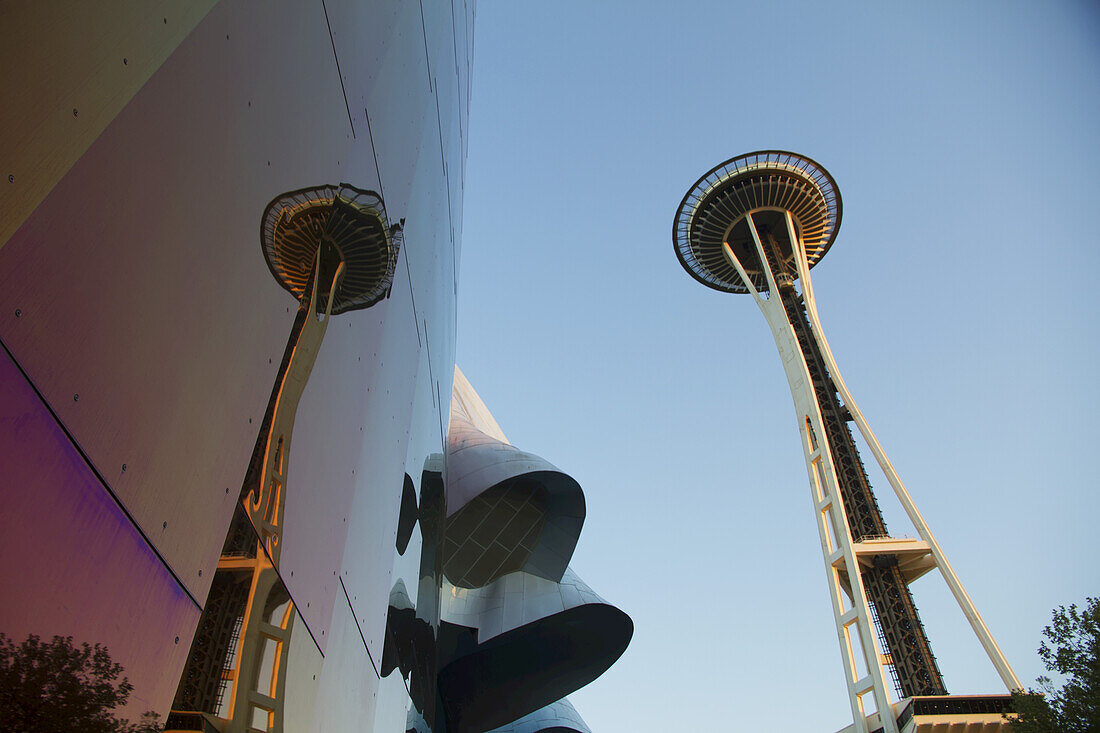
(72, 563)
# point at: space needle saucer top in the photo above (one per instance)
(765, 184)
(350, 220)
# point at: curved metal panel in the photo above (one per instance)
(466, 403)
(537, 641)
(558, 717)
(506, 510)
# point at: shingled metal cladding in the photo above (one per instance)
(508, 510)
(764, 180)
(351, 220)
(517, 629)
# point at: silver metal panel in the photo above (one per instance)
(383, 64)
(140, 282)
(393, 705)
(72, 563)
(326, 466)
(430, 263)
(387, 415)
(304, 664)
(514, 600)
(347, 692)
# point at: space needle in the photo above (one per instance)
(757, 224)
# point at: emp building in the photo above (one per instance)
(755, 225)
(236, 452)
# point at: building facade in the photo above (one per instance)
(257, 526)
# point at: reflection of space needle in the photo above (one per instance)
(757, 224)
(334, 250)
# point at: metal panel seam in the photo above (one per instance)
(99, 477)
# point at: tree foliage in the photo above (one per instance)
(57, 687)
(1074, 653)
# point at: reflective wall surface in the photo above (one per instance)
(146, 348)
(236, 450)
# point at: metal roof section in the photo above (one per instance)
(466, 403)
(714, 208)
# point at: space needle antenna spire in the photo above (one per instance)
(756, 224)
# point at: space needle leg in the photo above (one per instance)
(836, 540)
(996, 656)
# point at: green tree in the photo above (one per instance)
(56, 687)
(1074, 653)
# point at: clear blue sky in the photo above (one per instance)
(958, 298)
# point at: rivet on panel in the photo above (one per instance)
(125, 61)
(227, 489)
(164, 525)
(124, 468)
(76, 398)
(177, 640)
(18, 312)
(75, 112)
(166, 21)
(11, 178)
(200, 573)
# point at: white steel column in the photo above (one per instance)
(836, 539)
(996, 656)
